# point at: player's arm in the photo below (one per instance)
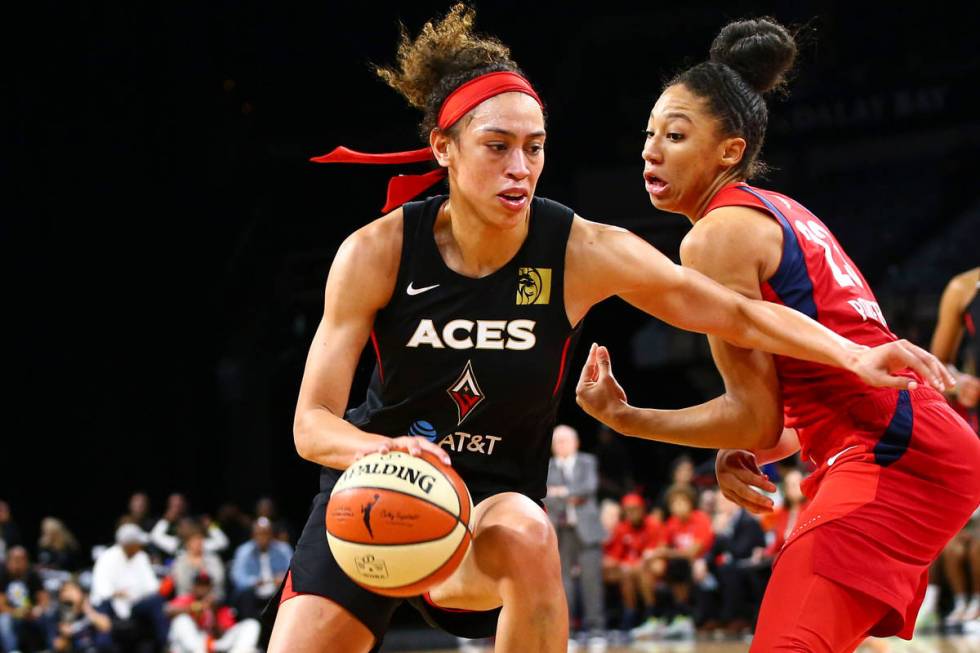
(361, 281)
(949, 330)
(612, 261)
(948, 335)
(749, 413)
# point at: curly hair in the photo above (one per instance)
(446, 54)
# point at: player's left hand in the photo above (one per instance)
(598, 392)
(877, 365)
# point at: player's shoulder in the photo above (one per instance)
(730, 235)
(376, 242)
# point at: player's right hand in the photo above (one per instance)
(738, 474)
(410, 444)
(598, 393)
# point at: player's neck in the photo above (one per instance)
(470, 245)
(709, 193)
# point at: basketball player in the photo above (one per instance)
(472, 303)
(856, 562)
(959, 314)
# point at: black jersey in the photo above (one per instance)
(474, 365)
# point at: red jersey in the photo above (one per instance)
(696, 529)
(628, 541)
(817, 278)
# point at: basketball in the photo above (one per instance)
(399, 524)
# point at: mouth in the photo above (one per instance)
(654, 184)
(514, 199)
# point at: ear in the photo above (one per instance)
(439, 142)
(732, 150)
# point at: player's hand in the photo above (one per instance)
(738, 474)
(598, 392)
(410, 444)
(877, 365)
(968, 391)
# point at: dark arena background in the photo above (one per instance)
(166, 241)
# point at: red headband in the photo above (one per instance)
(402, 188)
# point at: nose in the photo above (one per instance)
(517, 168)
(651, 151)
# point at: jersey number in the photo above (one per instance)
(845, 275)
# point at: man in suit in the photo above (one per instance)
(573, 479)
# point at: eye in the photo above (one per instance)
(647, 134)
(497, 147)
(536, 148)
(675, 136)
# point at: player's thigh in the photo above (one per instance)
(512, 540)
(313, 624)
(802, 611)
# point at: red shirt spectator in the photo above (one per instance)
(696, 529)
(687, 531)
(629, 539)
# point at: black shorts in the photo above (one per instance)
(314, 571)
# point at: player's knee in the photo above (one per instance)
(525, 549)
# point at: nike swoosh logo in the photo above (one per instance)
(419, 291)
(833, 459)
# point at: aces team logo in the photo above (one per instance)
(533, 286)
(465, 392)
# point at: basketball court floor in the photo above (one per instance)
(918, 645)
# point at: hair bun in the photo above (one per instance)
(760, 50)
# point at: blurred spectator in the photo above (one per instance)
(735, 561)
(623, 558)
(23, 602)
(573, 479)
(258, 569)
(138, 512)
(687, 537)
(57, 549)
(681, 475)
(9, 533)
(610, 514)
(266, 507)
(201, 625)
(74, 625)
(615, 470)
(170, 536)
(125, 587)
(785, 517)
(194, 560)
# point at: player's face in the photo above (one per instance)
(497, 157)
(684, 153)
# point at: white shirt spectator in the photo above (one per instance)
(123, 579)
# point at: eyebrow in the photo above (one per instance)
(499, 130)
(678, 114)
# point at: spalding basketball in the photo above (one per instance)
(399, 524)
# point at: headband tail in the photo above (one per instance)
(346, 155)
(405, 187)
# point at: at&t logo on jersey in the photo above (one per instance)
(457, 441)
(424, 429)
(516, 335)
